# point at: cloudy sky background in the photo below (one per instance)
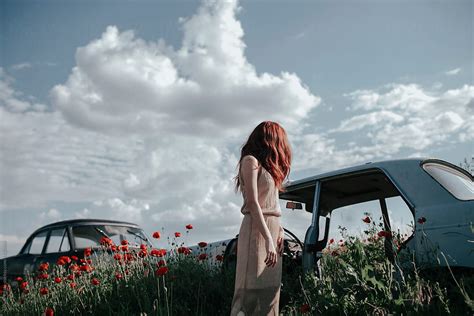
(136, 110)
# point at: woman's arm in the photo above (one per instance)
(250, 174)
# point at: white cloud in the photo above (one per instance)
(21, 66)
(453, 72)
(122, 84)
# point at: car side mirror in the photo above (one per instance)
(294, 205)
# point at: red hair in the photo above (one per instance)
(268, 143)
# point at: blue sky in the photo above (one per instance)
(351, 81)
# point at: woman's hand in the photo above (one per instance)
(280, 246)
(271, 258)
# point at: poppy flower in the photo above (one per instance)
(142, 253)
(366, 220)
(161, 263)
(42, 276)
(63, 260)
(219, 258)
(189, 226)
(57, 280)
(75, 258)
(156, 235)
(43, 266)
(23, 285)
(87, 252)
(158, 252)
(86, 268)
(118, 276)
(118, 257)
(421, 220)
(48, 311)
(305, 308)
(202, 244)
(74, 267)
(44, 291)
(177, 234)
(161, 271)
(124, 242)
(202, 256)
(18, 279)
(331, 241)
(72, 285)
(143, 247)
(384, 233)
(105, 241)
(94, 281)
(123, 248)
(70, 277)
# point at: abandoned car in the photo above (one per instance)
(69, 238)
(427, 199)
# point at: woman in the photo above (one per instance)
(264, 163)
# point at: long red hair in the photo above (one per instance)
(268, 143)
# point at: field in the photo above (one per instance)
(356, 279)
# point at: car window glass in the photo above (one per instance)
(457, 183)
(36, 245)
(58, 241)
(401, 217)
(86, 236)
(296, 221)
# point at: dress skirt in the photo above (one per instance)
(257, 287)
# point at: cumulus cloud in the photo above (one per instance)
(123, 84)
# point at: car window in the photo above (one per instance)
(36, 245)
(456, 182)
(58, 241)
(86, 236)
(90, 235)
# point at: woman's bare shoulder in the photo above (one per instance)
(250, 160)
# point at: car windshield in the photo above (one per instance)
(90, 235)
(456, 182)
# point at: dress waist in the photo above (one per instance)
(275, 212)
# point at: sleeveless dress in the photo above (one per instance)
(257, 287)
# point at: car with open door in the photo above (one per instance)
(429, 202)
(68, 238)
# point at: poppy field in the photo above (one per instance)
(356, 278)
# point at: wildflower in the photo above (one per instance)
(366, 220)
(421, 220)
(156, 235)
(202, 244)
(189, 226)
(331, 241)
(23, 285)
(124, 242)
(74, 267)
(143, 247)
(161, 271)
(118, 257)
(63, 260)
(43, 266)
(142, 253)
(105, 241)
(158, 252)
(384, 233)
(87, 252)
(19, 279)
(118, 276)
(48, 311)
(70, 277)
(57, 280)
(305, 308)
(86, 268)
(123, 248)
(177, 234)
(44, 291)
(72, 285)
(94, 281)
(42, 276)
(161, 263)
(219, 258)
(75, 258)
(202, 256)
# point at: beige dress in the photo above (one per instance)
(257, 287)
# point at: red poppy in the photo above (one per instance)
(63, 260)
(86, 268)
(161, 271)
(123, 248)
(366, 220)
(44, 291)
(384, 233)
(305, 308)
(331, 241)
(42, 276)
(19, 279)
(118, 276)
(143, 247)
(94, 281)
(118, 257)
(421, 220)
(189, 226)
(142, 253)
(87, 252)
(70, 277)
(158, 252)
(202, 244)
(48, 311)
(202, 256)
(23, 285)
(72, 285)
(124, 242)
(177, 234)
(161, 263)
(181, 249)
(105, 241)
(219, 257)
(74, 267)
(57, 280)
(43, 266)
(75, 258)
(156, 235)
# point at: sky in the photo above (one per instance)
(137, 110)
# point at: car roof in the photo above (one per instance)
(84, 221)
(408, 162)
